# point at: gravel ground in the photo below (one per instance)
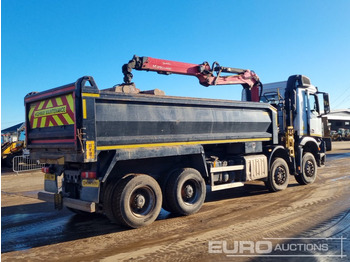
(33, 231)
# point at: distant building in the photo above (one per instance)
(339, 118)
(13, 133)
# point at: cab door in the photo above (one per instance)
(301, 116)
(314, 116)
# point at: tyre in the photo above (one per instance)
(107, 200)
(278, 177)
(163, 183)
(309, 168)
(135, 201)
(185, 191)
(9, 160)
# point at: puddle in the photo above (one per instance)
(340, 178)
(337, 156)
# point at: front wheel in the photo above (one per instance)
(309, 170)
(278, 178)
(135, 201)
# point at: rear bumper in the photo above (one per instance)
(53, 157)
(69, 202)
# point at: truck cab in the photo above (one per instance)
(305, 110)
(298, 104)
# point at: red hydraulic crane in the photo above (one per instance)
(248, 79)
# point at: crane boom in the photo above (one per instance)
(206, 75)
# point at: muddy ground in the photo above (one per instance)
(295, 222)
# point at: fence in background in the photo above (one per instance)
(22, 164)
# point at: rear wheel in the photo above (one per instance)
(309, 168)
(163, 183)
(185, 191)
(135, 201)
(107, 200)
(278, 178)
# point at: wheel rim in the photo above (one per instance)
(142, 201)
(309, 169)
(280, 175)
(190, 192)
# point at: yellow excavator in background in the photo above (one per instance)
(13, 147)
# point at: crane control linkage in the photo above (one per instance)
(208, 76)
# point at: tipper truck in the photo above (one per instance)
(127, 153)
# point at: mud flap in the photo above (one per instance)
(90, 190)
(50, 184)
(58, 201)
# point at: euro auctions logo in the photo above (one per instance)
(285, 247)
(240, 247)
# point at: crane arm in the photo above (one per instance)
(206, 75)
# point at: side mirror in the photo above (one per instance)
(326, 106)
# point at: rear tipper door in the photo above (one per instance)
(54, 125)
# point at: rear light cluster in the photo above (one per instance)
(88, 175)
(45, 170)
(84, 175)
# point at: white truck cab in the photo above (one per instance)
(305, 115)
(300, 121)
